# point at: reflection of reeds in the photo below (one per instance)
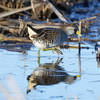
(14, 89)
(75, 97)
(98, 56)
(80, 30)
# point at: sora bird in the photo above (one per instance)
(50, 38)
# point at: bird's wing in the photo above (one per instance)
(46, 34)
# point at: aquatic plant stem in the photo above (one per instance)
(79, 45)
(39, 57)
(79, 36)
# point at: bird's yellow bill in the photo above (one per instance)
(77, 75)
(78, 33)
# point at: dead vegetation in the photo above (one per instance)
(16, 14)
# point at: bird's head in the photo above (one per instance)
(69, 30)
(31, 83)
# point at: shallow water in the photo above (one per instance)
(19, 66)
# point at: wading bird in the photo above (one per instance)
(50, 38)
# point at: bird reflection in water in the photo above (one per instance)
(49, 74)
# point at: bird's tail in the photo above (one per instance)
(31, 31)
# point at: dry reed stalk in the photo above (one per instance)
(46, 25)
(8, 13)
(14, 39)
(86, 19)
(5, 8)
(33, 8)
(60, 16)
(66, 46)
(58, 25)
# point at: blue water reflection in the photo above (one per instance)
(21, 65)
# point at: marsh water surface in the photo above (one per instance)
(21, 65)
(24, 63)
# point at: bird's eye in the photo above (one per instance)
(28, 77)
(75, 30)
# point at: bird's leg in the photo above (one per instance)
(38, 53)
(58, 61)
(56, 49)
(38, 56)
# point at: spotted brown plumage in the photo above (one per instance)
(49, 37)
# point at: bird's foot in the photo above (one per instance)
(56, 49)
